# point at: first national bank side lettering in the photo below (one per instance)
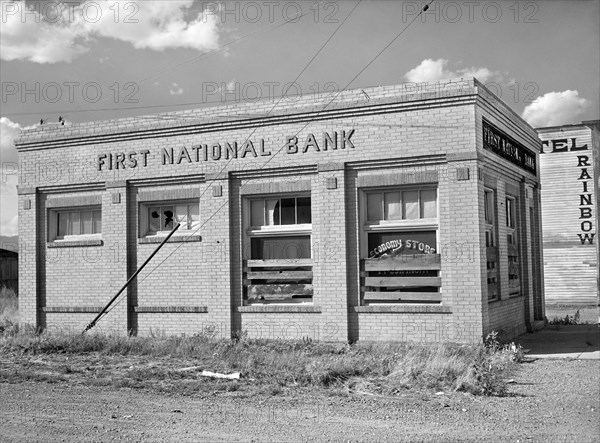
(226, 151)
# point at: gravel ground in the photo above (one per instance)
(551, 401)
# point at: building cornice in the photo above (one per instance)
(56, 140)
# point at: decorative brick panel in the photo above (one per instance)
(74, 244)
(462, 174)
(173, 239)
(170, 309)
(280, 309)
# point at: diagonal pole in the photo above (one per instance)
(95, 320)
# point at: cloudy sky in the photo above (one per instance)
(103, 60)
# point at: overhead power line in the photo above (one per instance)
(226, 202)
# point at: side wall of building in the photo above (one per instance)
(519, 298)
(569, 213)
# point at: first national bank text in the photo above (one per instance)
(227, 151)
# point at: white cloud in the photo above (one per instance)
(556, 108)
(22, 38)
(430, 70)
(230, 86)
(9, 131)
(62, 32)
(9, 223)
(175, 89)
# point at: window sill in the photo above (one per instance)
(404, 309)
(169, 309)
(279, 230)
(74, 243)
(173, 239)
(412, 224)
(281, 309)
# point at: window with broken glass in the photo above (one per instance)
(161, 218)
(277, 255)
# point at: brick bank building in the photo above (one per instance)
(407, 212)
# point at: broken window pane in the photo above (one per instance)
(272, 212)
(181, 215)
(154, 219)
(167, 218)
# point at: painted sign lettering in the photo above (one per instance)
(395, 247)
(586, 201)
(562, 145)
(226, 151)
(506, 147)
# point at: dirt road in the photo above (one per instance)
(552, 401)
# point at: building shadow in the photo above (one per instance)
(559, 339)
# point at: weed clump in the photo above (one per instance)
(566, 320)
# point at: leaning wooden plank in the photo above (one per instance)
(403, 282)
(232, 376)
(404, 263)
(289, 263)
(281, 275)
(404, 296)
(279, 291)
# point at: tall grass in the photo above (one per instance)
(386, 368)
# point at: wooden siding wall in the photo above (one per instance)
(570, 267)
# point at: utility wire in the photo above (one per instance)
(247, 138)
(275, 25)
(226, 203)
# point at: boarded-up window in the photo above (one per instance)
(401, 263)
(278, 262)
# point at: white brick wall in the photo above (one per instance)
(440, 133)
